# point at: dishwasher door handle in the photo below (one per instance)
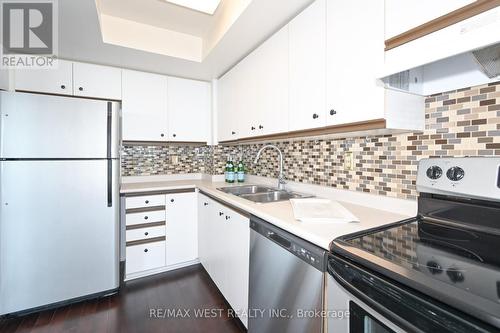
(280, 240)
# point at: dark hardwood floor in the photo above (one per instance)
(129, 311)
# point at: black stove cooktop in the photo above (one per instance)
(454, 258)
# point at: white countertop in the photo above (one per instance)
(279, 213)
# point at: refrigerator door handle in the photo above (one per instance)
(108, 155)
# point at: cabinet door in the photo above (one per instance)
(238, 261)
(308, 67)
(227, 116)
(354, 54)
(205, 205)
(271, 91)
(182, 228)
(144, 106)
(97, 81)
(218, 247)
(188, 110)
(50, 81)
(401, 16)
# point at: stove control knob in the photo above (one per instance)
(434, 267)
(455, 173)
(434, 172)
(455, 275)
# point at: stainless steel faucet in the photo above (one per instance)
(281, 176)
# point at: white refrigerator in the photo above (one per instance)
(59, 200)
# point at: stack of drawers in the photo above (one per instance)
(145, 232)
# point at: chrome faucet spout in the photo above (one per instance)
(281, 176)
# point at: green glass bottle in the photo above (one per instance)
(226, 170)
(231, 171)
(241, 170)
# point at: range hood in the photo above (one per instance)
(461, 55)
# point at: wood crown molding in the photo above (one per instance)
(441, 22)
(336, 129)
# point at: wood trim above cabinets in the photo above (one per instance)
(441, 22)
(336, 129)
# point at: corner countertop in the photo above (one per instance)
(279, 213)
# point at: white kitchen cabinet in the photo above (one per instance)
(238, 261)
(143, 257)
(269, 108)
(97, 81)
(144, 106)
(227, 119)
(6, 79)
(308, 68)
(225, 243)
(182, 228)
(205, 207)
(354, 53)
(401, 16)
(188, 110)
(51, 81)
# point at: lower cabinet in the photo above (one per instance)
(224, 246)
(182, 228)
(161, 232)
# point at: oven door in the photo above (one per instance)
(359, 300)
(346, 313)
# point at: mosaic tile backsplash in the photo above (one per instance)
(464, 122)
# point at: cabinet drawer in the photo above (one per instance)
(145, 217)
(145, 256)
(145, 233)
(145, 201)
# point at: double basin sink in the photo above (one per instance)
(261, 194)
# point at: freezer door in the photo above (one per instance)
(41, 126)
(59, 240)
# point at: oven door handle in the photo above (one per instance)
(383, 311)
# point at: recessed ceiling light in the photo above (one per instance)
(205, 6)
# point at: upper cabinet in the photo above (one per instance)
(317, 75)
(189, 110)
(227, 123)
(354, 53)
(441, 35)
(97, 81)
(72, 78)
(401, 16)
(260, 89)
(52, 81)
(144, 106)
(308, 67)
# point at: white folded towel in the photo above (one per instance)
(321, 210)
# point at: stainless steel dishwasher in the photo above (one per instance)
(287, 279)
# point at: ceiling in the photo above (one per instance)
(161, 14)
(81, 39)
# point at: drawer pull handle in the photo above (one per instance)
(171, 200)
(145, 250)
(146, 202)
(63, 86)
(221, 213)
(80, 88)
(228, 217)
(205, 204)
(146, 233)
(146, 217)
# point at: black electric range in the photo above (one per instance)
(450, 252)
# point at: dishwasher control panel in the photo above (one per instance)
(313, 259)
(307, 252)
